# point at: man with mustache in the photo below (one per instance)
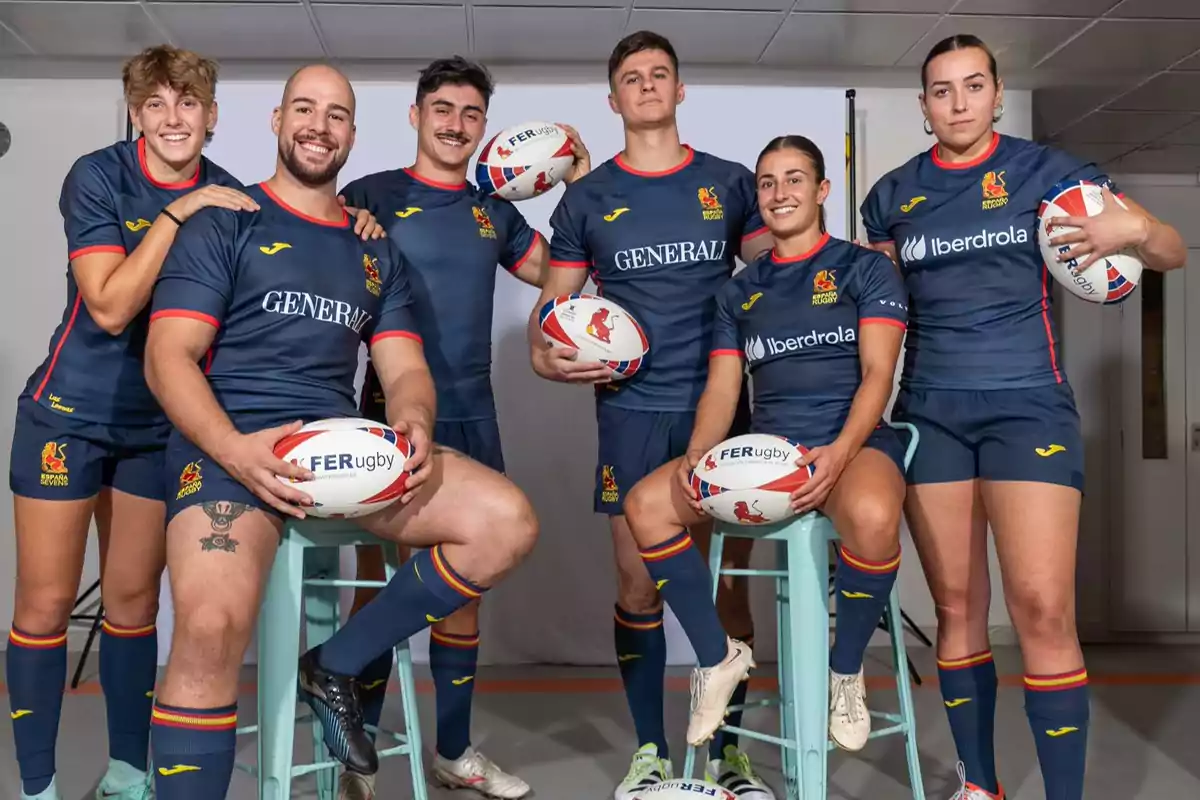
(256, 326)
(453, 235)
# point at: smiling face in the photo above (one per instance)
(315, 125)
(961, 97)
(790, 192)
(450, 124)
(174, 124)
(646, 89)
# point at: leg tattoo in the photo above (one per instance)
(222, 513)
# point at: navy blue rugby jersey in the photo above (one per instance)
(661, 245)
(292, 298)
(452, 237)
(966, 235)
(795, 322)
(108, 202)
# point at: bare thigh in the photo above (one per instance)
(866, 503)
(219, 555)
(51, 541)
(949, 529)
(1036, 527)
(133, 553)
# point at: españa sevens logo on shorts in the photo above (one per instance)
(609, 491)
(54, 465)
(190, 480)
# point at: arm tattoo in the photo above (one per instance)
(222, 513)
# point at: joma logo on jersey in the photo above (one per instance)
(757, 347)
(710, 206)
(669, 254)
(994, 193)
(824, 288)
(917, 248)
(322, 309)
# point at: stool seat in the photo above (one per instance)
(802, 608)
(305, 577)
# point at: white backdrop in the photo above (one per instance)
(548, 430)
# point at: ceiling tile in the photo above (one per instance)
(458, 3)
(714, 37)
(1096, 153)
(1186, 135)
(237, 30)
(720, 5)
(1125, 126)
(82, 29)
(1192, 64)
(1171, 91)
(1018, 42)
(840, 40)
(1158, 9)
(623, 4)
(1179, 158)
(1056, 107)
(525, 35)
(10, 45)
(898, 6)
(1111, 45)
(395, 32)
(1035, 8)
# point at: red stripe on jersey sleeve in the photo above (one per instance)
(715, 353)
(537, 237)
(396, 334)
(96, 248)
(569, 264)
(883, 321)
(183, 313)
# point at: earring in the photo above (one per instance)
(928, 127)
(996, 117)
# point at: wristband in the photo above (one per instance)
(172, 217)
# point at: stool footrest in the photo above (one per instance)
(758, 735)
(346, 583)
(754, 573)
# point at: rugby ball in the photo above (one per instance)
(747, 479)
(684, 789)
(523, 161)
(1106, 280)
(359, 465)
(598, 328)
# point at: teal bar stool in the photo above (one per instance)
(304, 577)
(803, 640)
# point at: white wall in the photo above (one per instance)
(889, 132)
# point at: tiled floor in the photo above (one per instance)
(568, 733)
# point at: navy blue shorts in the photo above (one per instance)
(891, 442)
(632, 444)
(999, 435)
(57, 457)
(193, 478)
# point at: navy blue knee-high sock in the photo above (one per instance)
(424, 590)
(193, 751)
(862, 588)
(1058, 710)
(36, 673)
(373, 683)
(452, 660)
(685, 583)
(969, 693)
(128, 668)
(642, 658)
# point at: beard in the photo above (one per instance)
(307, 174)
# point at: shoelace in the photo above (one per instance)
(698, 682)
(741, 765)
(342, 699)
(849, 701)
(963, 792)
(643, 764)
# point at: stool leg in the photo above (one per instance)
(321, 619)
(789, 755)
(408, 699)
(808, 571)
(904, 690)
(278, 651)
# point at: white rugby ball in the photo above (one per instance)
(747, 479)
(523, 161)
(684, 789)
(359, 465)
(1106, 280)
(598, 328)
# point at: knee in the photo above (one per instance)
(131, 606)
(209, 639)
(958, 606)
(636, 592)
(874, 528)
(509, 529)
(639, 505)
(42, 610)
(1042, 616)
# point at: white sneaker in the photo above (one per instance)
(734, 773)
(711, 689)
(849, 720)
(969, 791)
(646, 770)
(356, 786)
(474, 770)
